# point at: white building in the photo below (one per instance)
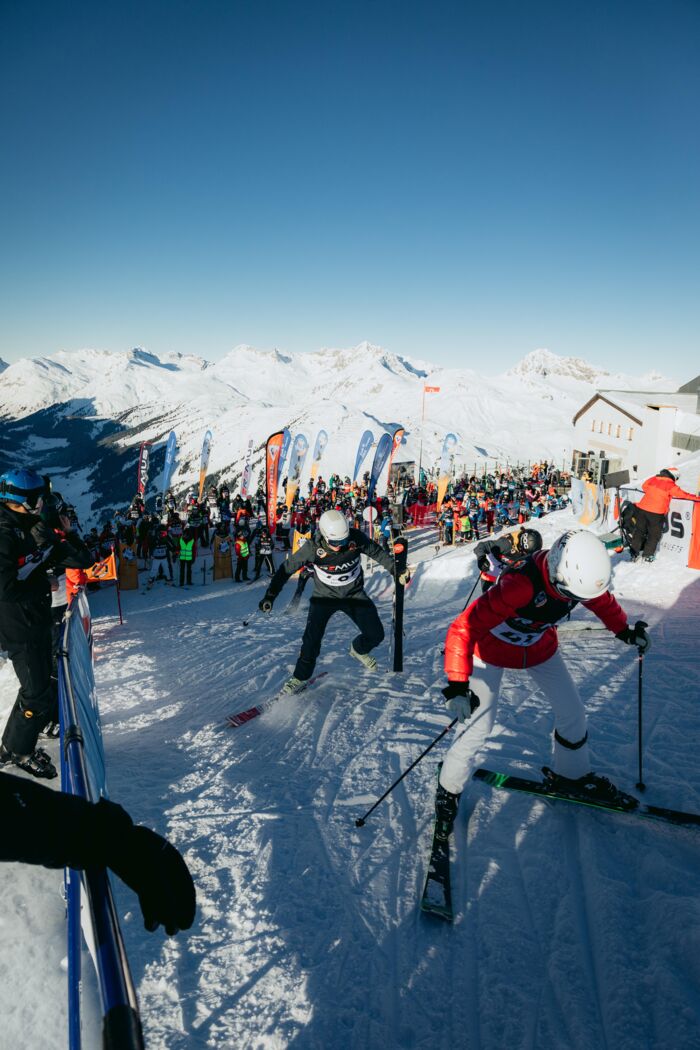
(636, 431)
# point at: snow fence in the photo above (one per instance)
(88, 894)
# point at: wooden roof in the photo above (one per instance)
(613, 404)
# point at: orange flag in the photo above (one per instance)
(103, 570)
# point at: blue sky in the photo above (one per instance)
(462, 182)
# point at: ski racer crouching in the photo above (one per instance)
(513, 626)
(334, 554)
(493, 556)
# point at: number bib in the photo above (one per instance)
(518, 631)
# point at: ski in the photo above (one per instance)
(437, 892)
(242, 717)
(536, 787)
(400, 563)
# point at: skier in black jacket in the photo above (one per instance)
(334, 553)
(28, 548)
(57, 830)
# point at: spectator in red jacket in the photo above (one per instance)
(651, 512)
(513, 625)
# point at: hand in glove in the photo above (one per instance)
(44, 536)
(404, 577)
(461, 702)
(266, 604)
(636, 635)
(156, 872)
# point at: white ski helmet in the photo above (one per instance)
(334, 527)
(579, 565)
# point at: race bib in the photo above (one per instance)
(517, 631)
(332, 579)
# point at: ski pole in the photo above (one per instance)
(472, 591)
(360, 822)
(641, 786)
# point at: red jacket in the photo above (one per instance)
(658, 493)
(471, 634)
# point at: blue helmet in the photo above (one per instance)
(23, 486)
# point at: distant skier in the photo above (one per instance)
(334, 552)
(650, 513)
(263, 553)
(161, 555)
(513, 626)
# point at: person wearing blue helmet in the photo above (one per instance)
(30, 546)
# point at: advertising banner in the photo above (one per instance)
(273, 451)
(321, 442)
(366, 442)
(448, 447)
(204, 462)
(296, 465)
(246, 470)
(144, 458)
(170, 451)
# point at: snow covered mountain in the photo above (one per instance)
(82, 415)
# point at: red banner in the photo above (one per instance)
(396, 441)
(272, 458)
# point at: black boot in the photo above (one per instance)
(38, 763)
(446, 806)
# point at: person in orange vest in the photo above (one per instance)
(651, 512)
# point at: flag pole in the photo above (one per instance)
(420, 447)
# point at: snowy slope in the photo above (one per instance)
(574, 929)
(101, 406)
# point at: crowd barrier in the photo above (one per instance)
(599, 507)
(88, 894)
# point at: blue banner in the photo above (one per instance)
(449, 445)
(386, 443)
(296, 464)
(170, 450)
(321, 442)
(287, 437)
(366, 442)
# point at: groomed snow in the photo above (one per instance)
(574, 930)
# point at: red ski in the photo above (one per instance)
(245, 716)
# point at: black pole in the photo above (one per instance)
(472, 591)
(641, 786)
(360, 822)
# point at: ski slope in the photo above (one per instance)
(573, 929)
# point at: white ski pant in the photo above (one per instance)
(553, 678)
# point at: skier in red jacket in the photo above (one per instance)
(651, 512)
(513, 625)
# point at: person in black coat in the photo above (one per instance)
(29, 547)
(57, 830)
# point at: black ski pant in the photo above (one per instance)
(266, 560)
(241, 568)
(36, 700)
(363, 613)
(185, 566)
(647, 531)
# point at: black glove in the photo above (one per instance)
(156, 872)
(44, 536)
(636, 635)
(457, 696)
(266, 604)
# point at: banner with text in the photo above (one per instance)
(366, 442)
(204, 462)
(296, 465)
(273, 451)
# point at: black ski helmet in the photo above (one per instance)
(529, 541)
(665, 473)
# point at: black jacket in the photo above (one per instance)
(28, 548)
(337, 574)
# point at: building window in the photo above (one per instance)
(600, 427)
(618, 431)
(609, 429)
(593, 426)
(630, 433)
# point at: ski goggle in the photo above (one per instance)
(339, 543)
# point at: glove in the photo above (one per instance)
(43, 535)
(156, 872)
(404, 578)
(461, 702)
(266, 604)
(636, 636)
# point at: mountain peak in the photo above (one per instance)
(544, 363)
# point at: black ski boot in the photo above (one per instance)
(591, 786)
(446, 806)
(38, 763)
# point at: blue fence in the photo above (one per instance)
(83, 774)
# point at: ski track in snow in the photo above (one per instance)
(573, 929)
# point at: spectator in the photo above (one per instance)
(651, 511)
